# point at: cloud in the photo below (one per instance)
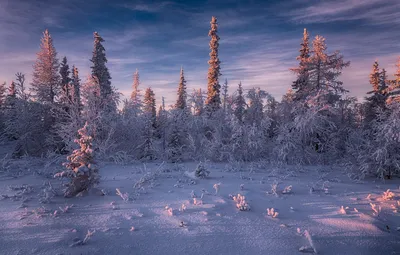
(375, 12)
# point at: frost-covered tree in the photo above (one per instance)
(21, 88)
(135, 100)
(76, 88)
(12, 90)
(300, 86)
(196, 99)
(81, 167)
(182, 95)
(45, 84)
(394, 85)
(65, 95)
(177, 135)
(323, 71)
(213, 101)
(91, 99)
(239, 104)
(100, 71)
(149, 105)
(149, 115)
(254, 113)
(379, 93)
(225, 95)
(3, 93)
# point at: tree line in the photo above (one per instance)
(316, 121)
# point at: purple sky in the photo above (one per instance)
(259, 39)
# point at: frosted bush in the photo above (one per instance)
(201, 171)
(388, 195)
(287, 190)
(216, 187)
(80, 168)
(241, 203)
(272, 213)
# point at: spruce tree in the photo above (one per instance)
(135, 95)
(394, 86)
(3, 94)
(323, 72)
(12, 90)
(301, 83)
(76, 88)
(225, 94)
(213, 101)
(149, 110)
(198, 102)
(254, 113)
(182, 95)
(240, 104)
(66, 97)
(379, 93)
(100, 71)
(45, 78)
(149, 105)
(21, 88)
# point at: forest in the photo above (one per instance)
(316, 161)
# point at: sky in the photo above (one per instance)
(259, 39)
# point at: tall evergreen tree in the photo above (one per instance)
(149, 105)
(323, 72)
(65, 97)
(254, 114)
(379, 93)
(3, 94)
(100, 70)
(45, 78)
(135, 95)
(240, 104)
(182, 95)
(76, 87)
(301, 83)
(225, 94)
(394, 85)
(213, 101)
(12, 90)
(198, 102)
(21, 88)
(149, 110)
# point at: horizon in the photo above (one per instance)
(153, 39)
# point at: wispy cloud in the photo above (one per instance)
(371, 11)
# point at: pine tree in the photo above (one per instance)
(91, 99)
(135, 96)
(374, 77)
(213, 101)
(301, 83)
(182, 95)
(225, 94)
(149, 110)
(20, 87)
(100, 70)
(379, 93)
(65, 97)
(323, 72)
(149, 105)
(12, 90)
(45, 78)
(254, 114)
(394, 86)
(198, 102)
(76, 88)
(81, 168)
(3, 95)
(240, 104)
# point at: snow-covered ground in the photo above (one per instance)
(145, 224)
